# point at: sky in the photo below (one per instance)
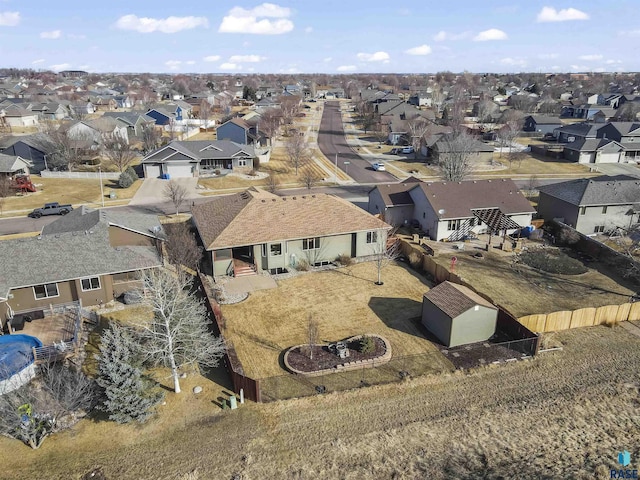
(328, 36)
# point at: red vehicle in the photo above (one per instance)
(23, 184)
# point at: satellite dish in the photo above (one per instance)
(441, 211)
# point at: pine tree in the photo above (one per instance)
(130, 396)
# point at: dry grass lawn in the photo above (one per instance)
(69, 190)
(524, 291)
(345, 302)
(562, 415)
(535, 165)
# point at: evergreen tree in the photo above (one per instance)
(129, 394)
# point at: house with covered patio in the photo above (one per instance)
(255, 231)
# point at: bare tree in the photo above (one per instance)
(178, 334)
(297, 151)
(453, 152)
(511, 129)
(118, 150)
(269, 123)
(381, 132)
(437, 98)
(68, 150)
(309, 177)
(205, 111)
(418, 130)
(175, 193)
(290, 106)
(150, 138)
(47, 405)
(386, 250)
(312, 334)
(272, 183)
(182, 246)
(5, 191)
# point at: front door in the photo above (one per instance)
(244, 253)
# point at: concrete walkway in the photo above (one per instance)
(248, 284)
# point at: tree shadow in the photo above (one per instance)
(398, 313)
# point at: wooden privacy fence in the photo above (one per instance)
(250, 387)
(583, 317)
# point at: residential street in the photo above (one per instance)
(332, 142)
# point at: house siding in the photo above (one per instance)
(593, 217)
(119, 237)
(473, 326)
(551, 207)
(232, 132)
(28, 153)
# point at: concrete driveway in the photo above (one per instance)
(617, 169)
(152, 190)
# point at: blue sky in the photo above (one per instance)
(326, 36)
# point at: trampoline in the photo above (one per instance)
(16, 361)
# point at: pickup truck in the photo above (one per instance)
(53, 208)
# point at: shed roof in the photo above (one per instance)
(454, 299)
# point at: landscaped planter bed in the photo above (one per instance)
(325, 361)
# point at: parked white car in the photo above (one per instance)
(379, 167)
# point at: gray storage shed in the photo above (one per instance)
(458, 315)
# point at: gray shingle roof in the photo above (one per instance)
(396, 194)
(10, 163)
(66, 256)
(604, 190)
(201, 150)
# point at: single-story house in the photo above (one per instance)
(454, 210)
(457, 315)
(192, 158)
(541, 124)
(135, 122)
(92, 256)
(594, 150)
(11, 165)
(15, 116)
(592, 205)
(256, 230)
(480, 153)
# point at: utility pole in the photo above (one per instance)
(101, 187)
(336, 171)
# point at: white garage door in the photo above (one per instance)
(179, 171)
(152, 171)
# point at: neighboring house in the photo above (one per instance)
(95, 131)
(420, 99)
(192, 158)
(33, 148)
(240, 131)
(480, 153)
(617, 142)
(255, 230)
(135, 122)
(81, 108)
(50, 111)
(541, 124)
(594, 150)
(163, 116)
(592, 205)
(11, 165)
(575, 132)
(91, 256)
(15, 116)
(457, 315)
(455, 210)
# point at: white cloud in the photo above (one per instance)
(173, 64)
(164, 25)
(76, 36)
(212, 58)
(257, 20)
(421, 50)
(327, 59)
(9, 19)
(308, 30)
(629, 33)
(60, 66)
(590, 58)
(441, 36)
(346, 68)
(613, 62)
(514, 62)
(52, 35)
(550, 14)
(491, 34)
(246, 58)
(580, 68)
(36, 62)
(548, 56)
(190, 62)
(374, 57)
(230, 66)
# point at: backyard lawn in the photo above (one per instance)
(534, 165)
(345, 302)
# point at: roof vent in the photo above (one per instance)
(294, 198)
(475, 181)
(273, 199)
(304, 196)
(284, 199)
(264, 201)
(313, 196)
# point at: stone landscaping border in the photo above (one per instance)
(347, 366)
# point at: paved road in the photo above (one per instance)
(332, 141)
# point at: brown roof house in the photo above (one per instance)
(256, 230)
(88, 256)
(457, 315)
(453, 210)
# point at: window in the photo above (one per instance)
(598, 229)
(46, 291)
(92, 283)
(264, 249)
(311, 243)
(453, 224)
(604, 209)
(242, 163)
(583, 210)
(372, 237)
(276, 249)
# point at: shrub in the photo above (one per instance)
(302, 265)
(552, 261)
(125, 180)
(367, 344)
(132, 173)
(344, 260)
(415, 260)
(217, 171)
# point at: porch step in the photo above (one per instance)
(243, 271)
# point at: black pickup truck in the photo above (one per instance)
(53, 208)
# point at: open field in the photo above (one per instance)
(562, 415)
(68, 190)
(524, 291)
(345, 302)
